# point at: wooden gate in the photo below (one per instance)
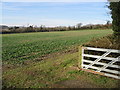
(101, 61)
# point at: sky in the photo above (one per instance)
(56, 0)
(54, 13)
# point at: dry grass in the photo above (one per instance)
(109, 42)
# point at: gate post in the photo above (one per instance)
(80, 57)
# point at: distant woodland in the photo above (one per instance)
(43, 28)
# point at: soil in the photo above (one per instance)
(75, 84)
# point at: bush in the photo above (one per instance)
(115, 12)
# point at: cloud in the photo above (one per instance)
(38, 22)
(47, 21)
(57, 22)
(54, 0)
(14, 6)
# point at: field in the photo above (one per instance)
(29, 46)
(49, 59)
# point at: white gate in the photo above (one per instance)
(101, 64)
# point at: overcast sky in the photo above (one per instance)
(54, 13)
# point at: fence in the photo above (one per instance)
(106, 62)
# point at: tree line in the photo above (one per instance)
(43, 28)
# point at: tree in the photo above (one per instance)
(79, 25)
(29, 29)
(108, 22)
(115, 12)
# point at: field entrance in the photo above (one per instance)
(48, 59)
(101, 61)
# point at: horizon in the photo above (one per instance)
(49, 26)
(52, 14)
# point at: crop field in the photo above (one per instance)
(49, 60)
(29, 46)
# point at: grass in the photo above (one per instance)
(44, 72)
(109, 41)
(50, 73)
(54, 71)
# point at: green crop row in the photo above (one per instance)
(29, 46)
